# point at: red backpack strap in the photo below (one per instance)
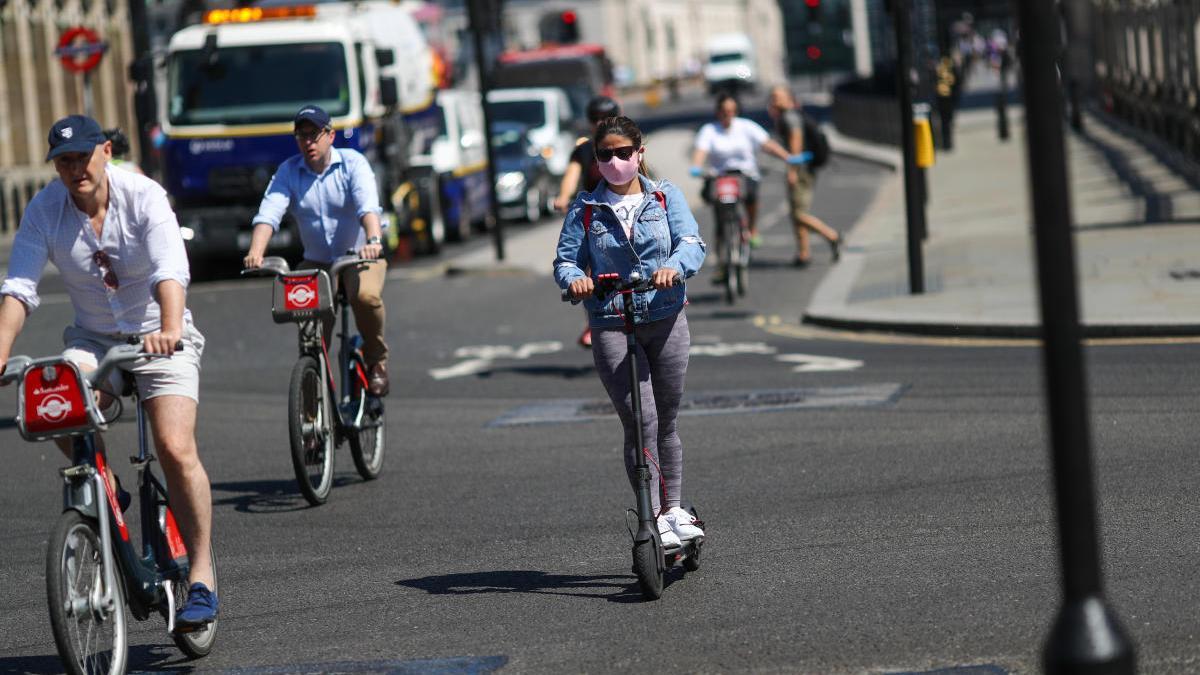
(662, 199)
(587, 218)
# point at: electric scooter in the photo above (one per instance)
(651, 559)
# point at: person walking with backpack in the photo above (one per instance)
(798, 136)
(630, 223)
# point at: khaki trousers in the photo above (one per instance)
(364, 288)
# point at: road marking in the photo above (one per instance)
(560, 411)
(774, 325)
(481, 358)
(811, 363)
(731, 348)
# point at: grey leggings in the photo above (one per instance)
(662, 359)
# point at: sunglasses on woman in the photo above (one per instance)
(623, 152)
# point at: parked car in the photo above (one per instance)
(546, 111)
(524, 187)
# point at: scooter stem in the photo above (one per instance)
(647, 528)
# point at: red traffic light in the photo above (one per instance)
(814, 52)
(568, 17)
(813, 3)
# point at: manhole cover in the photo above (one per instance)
(712, 403)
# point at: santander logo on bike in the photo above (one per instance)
(300, 296)
(54, 408)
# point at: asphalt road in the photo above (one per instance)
(896, 517)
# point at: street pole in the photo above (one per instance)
(1086, 636)
(141, 73)
(484, 17)
(915, 209)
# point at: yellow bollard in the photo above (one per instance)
(923, 141)
(653, 96)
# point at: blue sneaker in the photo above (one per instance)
(199, 610)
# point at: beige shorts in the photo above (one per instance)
(800, 195)
(178, 375)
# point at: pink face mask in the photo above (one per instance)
(619, 171)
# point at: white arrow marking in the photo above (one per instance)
(731, 348)
(811, 363)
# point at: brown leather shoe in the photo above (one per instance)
(377, 380)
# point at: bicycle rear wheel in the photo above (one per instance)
(91, 638)
(310, 426)
(198, 643)
(368, 441)
(742, 268)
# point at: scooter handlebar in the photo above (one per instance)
(609, 284)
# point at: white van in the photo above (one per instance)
(546, 111)
(730, 63)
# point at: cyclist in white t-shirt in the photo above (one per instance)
(730, 144)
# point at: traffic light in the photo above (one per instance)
(814, 10)
(559, 27)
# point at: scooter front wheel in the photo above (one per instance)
(647, 566)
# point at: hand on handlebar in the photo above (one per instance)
(581, 288)
(664, 278)
(695, 172)
(162, 342)
(370, 251)
(253, 260)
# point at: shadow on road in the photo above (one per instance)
(565, 372)
(267, 496)
(620, 588)
(157, 658)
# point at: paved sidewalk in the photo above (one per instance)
(1137, 230)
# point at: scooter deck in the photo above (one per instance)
(687, 549)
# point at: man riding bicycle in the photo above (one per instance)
(115, 241)
(331, 192)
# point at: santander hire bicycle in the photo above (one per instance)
(323, 413)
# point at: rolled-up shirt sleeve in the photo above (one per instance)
(164, 242)
(30, 251)
(276, 200)
(363, 187)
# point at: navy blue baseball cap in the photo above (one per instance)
(75, 133)
(314, 114)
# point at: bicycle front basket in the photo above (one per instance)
(302, 295)
(55, 400)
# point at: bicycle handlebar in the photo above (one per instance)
(275, 266)
(116, 355)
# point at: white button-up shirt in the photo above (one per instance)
(140, 235)
(328, 208)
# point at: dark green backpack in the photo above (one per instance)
(816, 142)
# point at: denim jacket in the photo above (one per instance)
(661, 238)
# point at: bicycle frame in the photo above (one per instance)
(312, 342)
(147, 577)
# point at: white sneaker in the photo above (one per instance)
(683, 524)
(666, 533)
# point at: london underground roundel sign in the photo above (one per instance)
(80, 49)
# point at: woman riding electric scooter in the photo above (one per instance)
(637, 229)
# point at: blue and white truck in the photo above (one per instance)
(235, 82)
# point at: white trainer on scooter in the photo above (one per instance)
(683, 524)
(666, 532)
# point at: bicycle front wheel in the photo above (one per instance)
(310, 426)
(89, 629)
(367, 440)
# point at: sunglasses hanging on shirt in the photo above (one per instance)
(106, 271)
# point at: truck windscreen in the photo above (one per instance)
(257, 84)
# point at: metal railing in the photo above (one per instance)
(17, 187)
(1147, 67)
